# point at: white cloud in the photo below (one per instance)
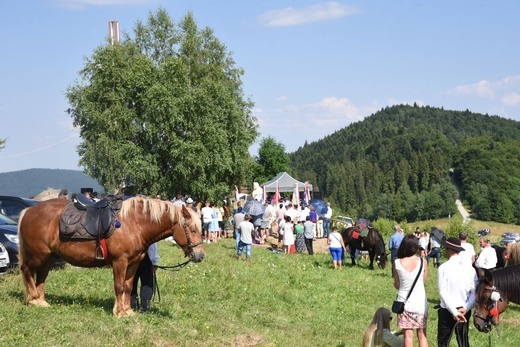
(480, 89)
(505, 87)
(511, 99)
(282, 97)
(316, 13)
(332, 112)
(295, 124)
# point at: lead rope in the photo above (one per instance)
(156, 284)
(499, 333)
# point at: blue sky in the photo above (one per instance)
(311, 67)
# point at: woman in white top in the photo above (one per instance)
(424, 240)
(415, 315)
(336, 248)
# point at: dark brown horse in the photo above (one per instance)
(143, 222)
(373, 243)
(495, 289)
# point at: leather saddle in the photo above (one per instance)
(100, 217)
(84, 219)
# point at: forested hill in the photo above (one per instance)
(396, 164)
(31, 182)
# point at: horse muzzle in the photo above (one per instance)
(485, 325)
(197, 255)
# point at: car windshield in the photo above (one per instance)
(6, 220)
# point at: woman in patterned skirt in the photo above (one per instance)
(406, 269)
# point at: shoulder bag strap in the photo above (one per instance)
(415, 281)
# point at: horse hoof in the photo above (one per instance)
(124, 314)
(39, 303)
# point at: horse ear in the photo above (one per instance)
(488, 276)
(185, 212)
(485, 274)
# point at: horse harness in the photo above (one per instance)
(492, 309)
(191, 246)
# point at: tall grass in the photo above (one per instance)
(275, 300)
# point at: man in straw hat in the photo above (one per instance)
(456, 281)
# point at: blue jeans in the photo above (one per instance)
(237, 237)
(436, 254)
(326, 227)
(241, 247)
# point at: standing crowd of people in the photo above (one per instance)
(295, 226)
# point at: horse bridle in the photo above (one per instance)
(191, 246)
(492, 309)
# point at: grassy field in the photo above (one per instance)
(276, 300)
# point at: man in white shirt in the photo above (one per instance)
(456, 283)
(304, 213)
(487, 258)
(469, 250)
(326, 221)
(206, 212)
(290, 211)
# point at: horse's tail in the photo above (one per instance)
(22, 258)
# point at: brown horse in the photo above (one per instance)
(143, 222)
(495, 289)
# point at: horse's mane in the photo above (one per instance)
(513, 252)
(154, 208)
(507, 280)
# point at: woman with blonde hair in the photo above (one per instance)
(378, 333)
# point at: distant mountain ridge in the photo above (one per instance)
(31, 182)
